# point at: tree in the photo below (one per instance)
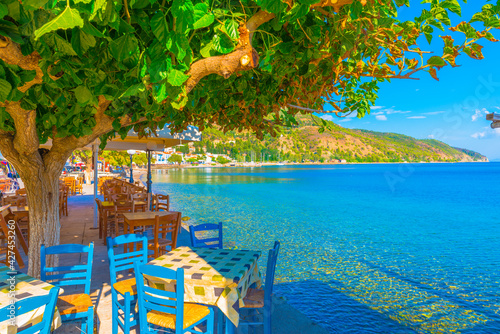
(192, 160)
(75, 71)
(222, 160)
(175, 158)
(116, 158)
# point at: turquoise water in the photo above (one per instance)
(383, 248)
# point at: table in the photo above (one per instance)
(26, 286)
(218, 277)
(140, 219)
(110, 207)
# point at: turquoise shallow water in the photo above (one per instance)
(383, 248)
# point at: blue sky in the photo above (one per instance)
(452, 109)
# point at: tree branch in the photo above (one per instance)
(243, 58)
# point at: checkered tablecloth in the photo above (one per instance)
(213, 276)
(26, 286)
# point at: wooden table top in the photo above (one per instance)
(146, 215)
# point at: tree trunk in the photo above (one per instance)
(42, 188)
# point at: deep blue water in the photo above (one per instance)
(382, 248)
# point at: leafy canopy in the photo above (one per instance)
(186, 62)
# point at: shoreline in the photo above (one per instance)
(156, 167)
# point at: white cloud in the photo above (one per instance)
(381, 118)
(431, 136)
(390, 111)
(416, 117)
(345, 120)
(478, 135)
(417, 90)
(377, 113)
(434, 112)
(479, 114)
(327, 117)
(376, 107)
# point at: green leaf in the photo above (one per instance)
(452, 5)
(3, 10)
(83, 95)
(159, 27)
(232, 29)
(134, 90)
(27, 76)
(91, 30)
(222, 43)
(206, 51)
(183, 11)
(60, 45)
(436, 61)
(123, 47)
(81, 41)
(204, 21)
(116, 124)
(5, 88)
(159, 69)
(177, 78)
(34, 4)
(69, 18)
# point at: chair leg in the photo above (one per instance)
(114, 313)
(88, 325)
(210, 322)
(220, 321)
(267, 319)
(126, 314)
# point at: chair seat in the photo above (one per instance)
(192, 314)
(72, 304)
(125, 286)
(254, 298)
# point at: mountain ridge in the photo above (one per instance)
(317, 140)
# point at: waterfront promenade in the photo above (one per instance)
(77, 228)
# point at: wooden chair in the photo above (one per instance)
(32, 303)
(165, 309)
(262, 298)
(74, 306)
(208, 229)
(115, 220)
(79, 185)
(6, 242)
(161, 202)
(141, 201)
(70, 182)
(164, 227)
(124, 292)
(21, 191)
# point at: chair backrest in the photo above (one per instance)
(79, 274)
(21, 191)
(31, 303)
(150, 298)
(270, 270)
(209, 242)
(161, 202)
(167, 224)
(120, 197)
(124, 261)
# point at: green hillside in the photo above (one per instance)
(305, 143)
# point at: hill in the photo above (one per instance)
(305, 143)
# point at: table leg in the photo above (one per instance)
(105, 229)
(21, 238)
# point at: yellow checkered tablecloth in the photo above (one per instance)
(213, 276)
(26, 286)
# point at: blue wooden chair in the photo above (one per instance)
(208, 242)
(124, 293)
(260, 299)
(160, 309)
(74, 306)
(29, 304)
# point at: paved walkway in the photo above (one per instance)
(78, 228)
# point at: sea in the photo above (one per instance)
(365, 248)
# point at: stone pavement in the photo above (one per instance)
(78, 228)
